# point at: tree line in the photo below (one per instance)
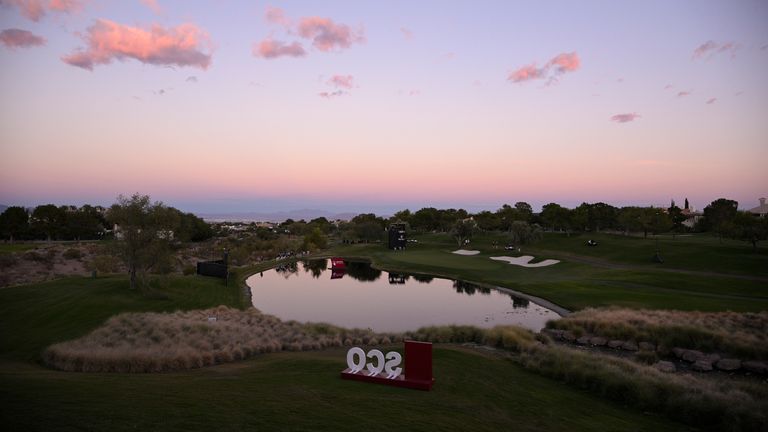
(67, 222)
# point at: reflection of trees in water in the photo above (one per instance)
(422, 278)
(316, 267)
(468, 288)
(519, 302)
(398, 278)
(287, 269)
(362, 271)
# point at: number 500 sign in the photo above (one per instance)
(377, 367)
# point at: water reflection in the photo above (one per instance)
(315, 267)
(362, 271)
(469, 288)
(396, 302)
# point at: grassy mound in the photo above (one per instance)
(160, 342)
(741, 334)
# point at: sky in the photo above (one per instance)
(233, 106)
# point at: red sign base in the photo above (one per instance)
(400, 381)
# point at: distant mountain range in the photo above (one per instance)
(306, 214)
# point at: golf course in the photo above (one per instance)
(477, 387)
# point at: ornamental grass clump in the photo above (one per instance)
(740, 334)
(159, 342)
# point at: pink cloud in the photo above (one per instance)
(624, 118)
(711, 101)
(668, 86)
(152, 4)
(342, 81)
(557, 65)
(176, 46)
(683, 93)
(333, 94)
(36, 9)
(16, 38)
(327, 35)
(407, 34)
(565, 62)
(526, 73)
(270, 49)
(710, 48)
(276, 15)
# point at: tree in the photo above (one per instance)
(462, 230)
(719, 216)
(48, 220)
(488, 221)
(521, 233)
(14, 222)
(315, 240)
(556, 217)
(750, 228)
(524, 211)
(677, 218)
(143, 228)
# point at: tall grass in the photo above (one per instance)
(740, 334)
(159, 342)
(723, 405)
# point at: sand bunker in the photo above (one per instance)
(466, 252)
(524, 261)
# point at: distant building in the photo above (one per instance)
(691, 215)
(760, 210)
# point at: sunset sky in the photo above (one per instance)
(229, 106)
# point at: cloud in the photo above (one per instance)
(36, 9)
(407, 33)
(270, 49)
(16, 38)
(275, 15)
(624, 118)
(327, 35)
(683, 93)
(711, 101)
(565, 62)
(341, 81)
(333, 94)
(710, 48)
(191, 78)
(526, 73)
(764, 47)
(668, 86)
(175, 46)
(556, 66)
(152, 4)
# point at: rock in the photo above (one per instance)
(712, 358)
(692, 355)
(647, 346)
(598, 341)
(615, 343)
(728, 364)
(755, 366)
(678, 352)
(702, 366)
(665, 366)
(629, 346)
(584, 340)
(553, 333)
(568, 336)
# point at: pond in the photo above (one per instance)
(361, 296)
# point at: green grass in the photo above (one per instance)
(37, 315)
(622, 275)
(303, 391)
(282, 391)
(7, 248)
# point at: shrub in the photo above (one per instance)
(72, 254)
(104, 264)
